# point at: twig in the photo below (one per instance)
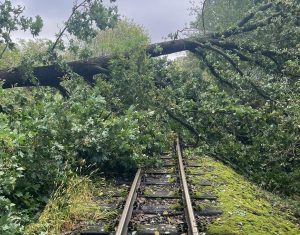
(75, 8)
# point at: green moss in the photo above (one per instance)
(246, 208)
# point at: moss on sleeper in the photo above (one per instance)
(246, 208)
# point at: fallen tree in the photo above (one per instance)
(51, 75)
(215, 43)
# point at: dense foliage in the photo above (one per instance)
(237, 99)
(45, 137)
(249, 115)
(260, 139)
(12, 19)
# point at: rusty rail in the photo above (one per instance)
(122, 228)
(189, 212)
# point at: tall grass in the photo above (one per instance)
(69, 205)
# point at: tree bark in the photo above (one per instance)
(51, 75)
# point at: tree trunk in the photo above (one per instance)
(51, 76)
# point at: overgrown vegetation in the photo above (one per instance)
(72, 206)
(259, 137)
(237, 97)
(246, 208)
(44, 135)
(247, 114)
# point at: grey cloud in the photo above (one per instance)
(159, 17)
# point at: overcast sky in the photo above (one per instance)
(159, 17)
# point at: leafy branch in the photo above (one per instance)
(12, 19)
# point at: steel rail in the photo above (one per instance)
(122, 228)
(189, 212)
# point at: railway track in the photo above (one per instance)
(166, 201)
